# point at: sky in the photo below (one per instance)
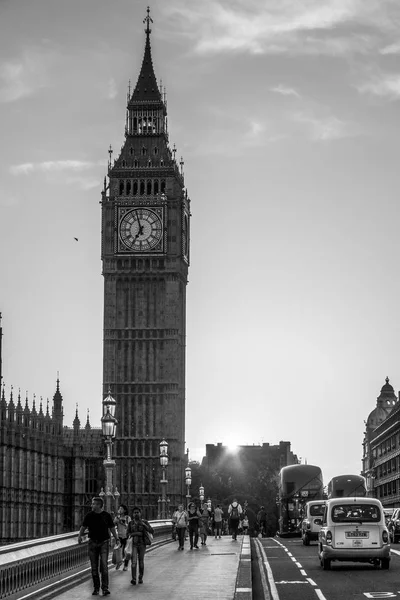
(287, 117)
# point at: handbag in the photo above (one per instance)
(117, 556)
(148, 538)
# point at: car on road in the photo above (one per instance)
(354, 529)
(312, 521)
(394, 526)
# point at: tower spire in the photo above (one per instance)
(146, 87)
(148, 20)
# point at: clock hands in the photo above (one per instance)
(140, 226)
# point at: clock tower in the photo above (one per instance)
(145, 255)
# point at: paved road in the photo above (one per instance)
(293, 572)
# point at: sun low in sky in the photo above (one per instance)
(286, 115)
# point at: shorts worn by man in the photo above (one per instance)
(99, 523)
(137, 529)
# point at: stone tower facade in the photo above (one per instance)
(145, 254)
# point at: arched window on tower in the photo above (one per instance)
(121, 187)
(140, 128)
(155, 150)
(148, 187)
(135, 124)
(144, 151)
(136, 163)
(128, 187)
(135, 187)
(155, 186)
(162, 186)
(141, 187)
(131, 151)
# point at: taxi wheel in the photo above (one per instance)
(306, 540)
(385, 562)
(326, 564)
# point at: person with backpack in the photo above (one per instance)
(137, 530)
(234, 512)
(121, 522)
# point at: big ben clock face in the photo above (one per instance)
(140, 230)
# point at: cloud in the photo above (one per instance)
(324, 129)
(52, 166)
(25, 75)
(111, 89)
(383, 85)
(67, 171)
(391, 49)
(334, 27)
(285, 91)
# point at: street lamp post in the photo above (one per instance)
(108, 425)
(188, 481)
(162, 513)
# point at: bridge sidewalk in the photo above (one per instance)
(209, 572)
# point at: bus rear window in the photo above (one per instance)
(344, 513)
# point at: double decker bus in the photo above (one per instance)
(343, 486)
(297, 485)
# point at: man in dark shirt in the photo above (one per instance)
(99, 523)
(137, 529)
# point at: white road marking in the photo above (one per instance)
(302, 571)
(395, 551)
(320, 595)
(291, 581)
(311, 581)
(272, 586)
(262, 574)
(298, 565)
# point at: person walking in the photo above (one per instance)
(99, 523)
(121, 523)
(181, 522)
(234, 512)
(137, 529)
(245, 524)
(262, 521)
(218, 516)
(193, 520)
(204, 523)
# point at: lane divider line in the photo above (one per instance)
(272, 586)
(262, 573)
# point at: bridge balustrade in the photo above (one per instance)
(25, 564)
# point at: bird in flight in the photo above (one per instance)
(76, 239)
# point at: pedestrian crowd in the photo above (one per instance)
(199, 521)
(133, 534)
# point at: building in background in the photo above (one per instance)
(274, 457)
(145, 254)
(381, 448)
(48, 472)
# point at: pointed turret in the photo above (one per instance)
(58, 404)
(76, 423)
(146, 89)
(88, 426)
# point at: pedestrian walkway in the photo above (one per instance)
(207, 573)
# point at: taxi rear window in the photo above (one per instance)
(317, 510)
(344, 513)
